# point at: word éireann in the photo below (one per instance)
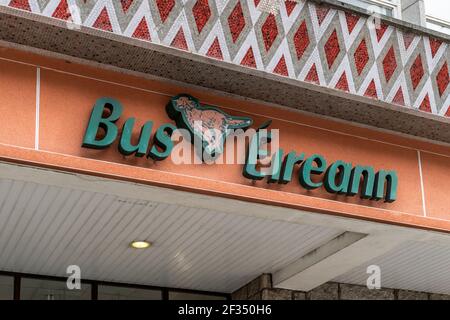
(340, 177)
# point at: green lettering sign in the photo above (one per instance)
(340, 177)
(307, 169)
(96, 121)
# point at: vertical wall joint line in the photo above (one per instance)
(38, 104)
(424, 208)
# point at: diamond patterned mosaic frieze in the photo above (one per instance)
(301, 40)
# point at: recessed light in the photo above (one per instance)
(140, 244)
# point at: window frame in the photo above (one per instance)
(437, 21)
(95, 283)
(395, 5)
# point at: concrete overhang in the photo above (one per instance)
(48, 36)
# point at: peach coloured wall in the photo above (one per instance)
(45, 111)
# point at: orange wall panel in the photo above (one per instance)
(436, 185)
(69, 91)
(67, 100)
(18, 104)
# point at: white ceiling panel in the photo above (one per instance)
(44, 228)
(418, 266)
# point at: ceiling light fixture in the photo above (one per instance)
(140, 244)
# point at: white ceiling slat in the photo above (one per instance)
(419, 266)
(188, 260)
(73, 224)
(181, 240)
(224, 249)
(151, 232)
(270, 233)
(5, 187)
(101, 231)
(119, 245)
(15, 215)
(61, 213)
(110, 259)
(245, 245)
(200, 235)
(30, 236)
(165, 234)
(19, 231)
(60, 237)
(9, 203)
(109, 236)
(80, 228)
(95, 222)
(266, 249)
(46, 227)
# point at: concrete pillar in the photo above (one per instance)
(413, 11)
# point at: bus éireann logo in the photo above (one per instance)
(209, 124)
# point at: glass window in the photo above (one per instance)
(438, 9)
(37, 289)
(6, 288)
(175, 295)
(437, 25)
(386, 8)
(124, 293)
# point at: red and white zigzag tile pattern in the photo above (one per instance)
(303, 40)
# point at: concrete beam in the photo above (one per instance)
(335, 258)
(333, 246)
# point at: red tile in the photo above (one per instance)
(202, 13)
(103, 21)
(389, 64)
(408, 38)
(399, 98)
(165, 7)
(290, 6)
(301, 40)
(361, 57)
(142, 31)
(249, 59)
(269, 31)
(126, 4)
(281, 67)
(312, 75)
(416, 72)
(179, 41)
(343, 83)
(214, 51)
(62, 11)
(352, 20)
(20, 4)
(381, 31)
(425, 105)
(332, 48)
(371, 91)
(435, 44)
(442, 79)
(322, 12)
(236, 21)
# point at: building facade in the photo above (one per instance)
(338, 190)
